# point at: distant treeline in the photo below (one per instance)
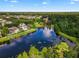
(39, 13)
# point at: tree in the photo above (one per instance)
(23, 55)
(50, 53)
(33, 53)
(60, 49)
(4, 31)
(56, 27)
(19, 56)
(71, 53)
(44, 52)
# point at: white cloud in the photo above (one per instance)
(44, 3)
(76, 0)
(72, 2)
(13, 1)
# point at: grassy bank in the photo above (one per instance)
(73, 39)
(17, 35)
(39, 25)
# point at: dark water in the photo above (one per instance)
(37, 39)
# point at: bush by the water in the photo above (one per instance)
(61, 50)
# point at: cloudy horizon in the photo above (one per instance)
(39, 5)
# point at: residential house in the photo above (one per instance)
(2, 22)
(30, 17)
(9, 22)
(7, 16)
(0, 19)
(13, 30)
(23, 26)
(39, 17)
(45, 19)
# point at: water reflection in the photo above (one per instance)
(41, 38)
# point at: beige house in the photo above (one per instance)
(8, 22)
(30, 17)
(39, 17)
(45, 19)
(13, 30)
(23, 26)
(2, 22)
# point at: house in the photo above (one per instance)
(17, 17)
(0, 19)
(23, 26)
(13, 30)
(7, 17)
(39, 17)
(30, 17)
(8, 22)
(45, 19)
(2, 22)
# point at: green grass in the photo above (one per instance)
(73, 39)
(17, 35)
(38, 25)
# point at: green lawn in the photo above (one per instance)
(38, 25)
(73, 39)
(17, 35)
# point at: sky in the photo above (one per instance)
(39, 5)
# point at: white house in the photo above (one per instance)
(8, 22)
(7, 17)
(23, 26)
(13, 30)
(30, 17)
(2, 22)
(39, 17)
(0, 19)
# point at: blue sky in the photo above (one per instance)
(39, 5)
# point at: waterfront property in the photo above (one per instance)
(23, 26)
(13, 30)
(16, 35)
(40, 38)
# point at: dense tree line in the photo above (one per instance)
(59, 51)
(68, 24)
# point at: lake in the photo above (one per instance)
(41, 38)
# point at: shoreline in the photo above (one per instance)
(13, 36)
